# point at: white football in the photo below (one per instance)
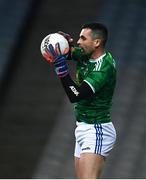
(53, 39)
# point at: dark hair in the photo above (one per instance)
(98, 30)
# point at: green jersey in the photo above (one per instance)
(100, 75)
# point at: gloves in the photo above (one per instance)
(68, 38)
(60, 64)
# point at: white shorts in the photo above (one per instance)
(94, 138)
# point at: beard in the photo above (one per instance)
(87, 53)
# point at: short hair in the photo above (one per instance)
(99, 30)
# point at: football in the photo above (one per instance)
(53, 39)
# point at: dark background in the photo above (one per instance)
(36, 119)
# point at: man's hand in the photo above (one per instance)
(68, 38)
(60, 64)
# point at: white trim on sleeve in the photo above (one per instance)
(90, 86)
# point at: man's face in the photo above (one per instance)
(86, 42)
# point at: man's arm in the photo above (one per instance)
(76, 93)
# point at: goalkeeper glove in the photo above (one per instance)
(68, 38)
(61, 67)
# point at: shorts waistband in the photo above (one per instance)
(94, 122)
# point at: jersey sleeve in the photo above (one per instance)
(99, 76)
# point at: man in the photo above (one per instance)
(92, 97)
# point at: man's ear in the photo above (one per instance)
(97, 42)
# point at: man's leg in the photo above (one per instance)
(89, 166)
(77, 167)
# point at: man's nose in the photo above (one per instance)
(78, 42)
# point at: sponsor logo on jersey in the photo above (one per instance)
(86, 148)
(73, 89)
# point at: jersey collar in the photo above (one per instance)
(96, 60)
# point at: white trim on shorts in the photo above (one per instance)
(94, 138)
